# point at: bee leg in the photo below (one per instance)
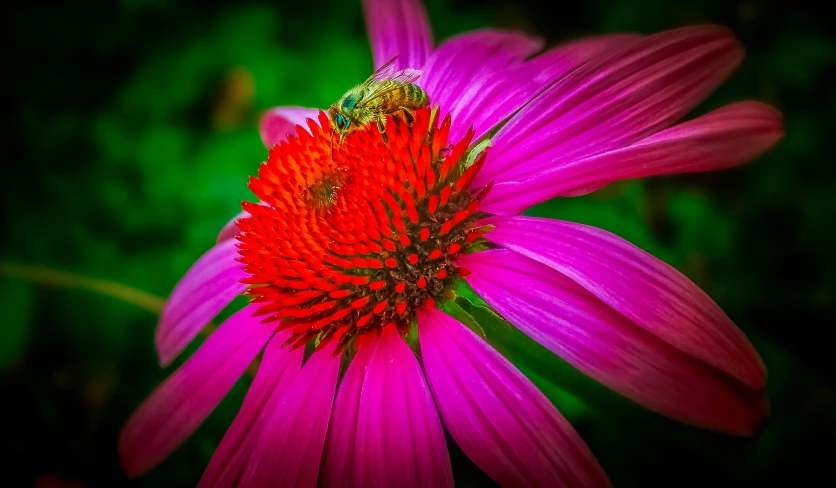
(407, 115)
(382, 127)
(332, 144)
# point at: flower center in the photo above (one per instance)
(356, 235)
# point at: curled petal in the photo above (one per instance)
(497, 416)
(188, 396)
(571, 322)
(207, 287)
(647, 291)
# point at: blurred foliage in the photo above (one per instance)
(135, 131)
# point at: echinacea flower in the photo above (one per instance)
(353, 249)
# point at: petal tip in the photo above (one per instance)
(131, 462)
(164, 361)
(162, 343)
(761, 412)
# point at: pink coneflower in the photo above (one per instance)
(351, 255)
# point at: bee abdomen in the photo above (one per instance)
(393, 98)
(417, 97)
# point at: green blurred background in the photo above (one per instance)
(134, 131)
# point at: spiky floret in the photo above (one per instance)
(358, 236)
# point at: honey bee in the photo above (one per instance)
(385, 92)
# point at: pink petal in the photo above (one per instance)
(574, 324)
(206, 288)
(726, 137)
(280, 122)
(387, 432)
(613, 101)
(278, 369)
(481, 77)
(179, 405)
(398, 28)
(399, 438)
(339, 459)
(293, 426)
(644, 289)
(496, 415)
(524, 82)
(471, 68)
(564, 58)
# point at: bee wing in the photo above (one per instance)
(383, 72)
(406, 75)
(378, 89)
(387, 72)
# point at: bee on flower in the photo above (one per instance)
(421, 204)
(385, 92)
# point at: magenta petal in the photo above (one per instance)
(503, 82)
(644, 289)
(280, 122)
(339, 459)
(574, 324)
(507, 92)
(399, 437)
(179, 405)
(723, 138)
(387, 432)
(564, 58)
(278, 369)
(207, 287)
(470, 74)
(496, 415)
(291, 431)
(398, 28)
(613, 101)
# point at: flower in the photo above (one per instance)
(356, 245)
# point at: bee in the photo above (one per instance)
(385, 92)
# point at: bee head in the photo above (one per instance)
(341, 123)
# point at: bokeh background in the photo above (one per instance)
(133, 131)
